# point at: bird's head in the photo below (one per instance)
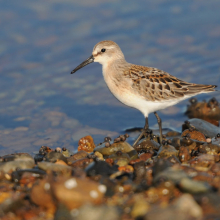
(104, 52)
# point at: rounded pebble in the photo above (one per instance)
(71, 183)
(102, 188)
(93, 194)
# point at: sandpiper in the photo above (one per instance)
(145, 88)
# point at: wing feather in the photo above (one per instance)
(156, 85)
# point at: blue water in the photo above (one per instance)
(42, 41)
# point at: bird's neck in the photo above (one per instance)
(114, 65)
(113, 72)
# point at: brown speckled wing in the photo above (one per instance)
(156, 85)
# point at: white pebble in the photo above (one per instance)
(165, 191)
(93, 194)
(121, 189)
(209, 140)
(102, 188)
(71, 183)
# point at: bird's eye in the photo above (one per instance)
(103, 50)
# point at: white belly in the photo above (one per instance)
(146, 107)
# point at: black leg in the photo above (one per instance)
(146, 126)
(160, 127)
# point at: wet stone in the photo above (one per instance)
(38, 158)
(184, 154)
(176, 142)
(44, 150)
(100, 167)
(126, 168)
(159, 165)
(110, 161)
(189, 143)
(93, 212)
(41, 196)
(133, 154)
(208, 129)
(191, 186)
(51, 167)
(216, 140)
(74, 192)
(27, 176)
(167, 151)
(86, 143)
(140, 172)
(140, 207)
(79, 155)
(203, 162)
(146, 156)
(81, 163)
(66, 152)
(166, 190)
(188, 205)
(184, 207)
(147, 144)
(209, 148)
(196, 135)
(173, 134)
(17, 161)
(205, 177)
(209, 111)
(173, 174)
(99, 156)
(54, 156)
(16, 157)
(124, 147)
(120, 159)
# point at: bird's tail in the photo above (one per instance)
(199, 88)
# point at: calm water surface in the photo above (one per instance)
(42, 41)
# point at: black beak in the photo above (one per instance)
(86, 62)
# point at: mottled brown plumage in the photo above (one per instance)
(156, 85)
